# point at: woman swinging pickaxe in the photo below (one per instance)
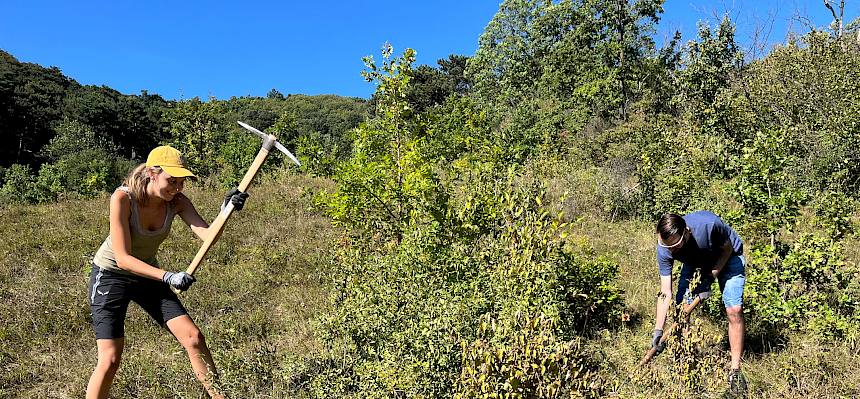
(269, 142)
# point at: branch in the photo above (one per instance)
(805, 21)
(836, 18)
(381, 202)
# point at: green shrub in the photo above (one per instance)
(19, 186)
(675, 167)
(833, 210)
(769, 199)
(198, 130)
(804, 287)
(524, 358)
(433, 247)
(320, 153)
(403, 310)
(236, 155)
(84, 174)
(82, 164)
(818, 107)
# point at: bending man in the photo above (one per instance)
(701, 240)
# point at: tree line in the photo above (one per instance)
(67, 140)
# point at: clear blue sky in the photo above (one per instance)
(188, 48)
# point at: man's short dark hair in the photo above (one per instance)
(669, 225)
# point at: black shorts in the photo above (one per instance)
(110, 293)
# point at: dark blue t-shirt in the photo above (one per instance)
(709, 234)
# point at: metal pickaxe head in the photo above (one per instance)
(270, 141)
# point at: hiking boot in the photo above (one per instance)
(737, 384)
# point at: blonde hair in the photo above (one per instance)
(137, 180)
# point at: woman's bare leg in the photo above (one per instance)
(190, 337)
(109, 356)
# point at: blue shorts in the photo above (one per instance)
(731, 279)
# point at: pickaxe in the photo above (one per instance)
(685, 314)
(217, 225)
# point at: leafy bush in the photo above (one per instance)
(769, 199)
(320, 153)
(197, 130)
(525, 359)
(19, 186)
(804, 287)
(401, 312)
(818, 106)
(675, 167)
(833, 210)
(427, 257)
(237, 154)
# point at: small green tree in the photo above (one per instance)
(770, 201)
(434, 245)
(197, 130)
(388, 179)
(709, 66)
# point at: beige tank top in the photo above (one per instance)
(144, 243)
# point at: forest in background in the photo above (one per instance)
(66, 140)
(460, 266)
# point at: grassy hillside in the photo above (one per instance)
(254, 299)
(265, 281)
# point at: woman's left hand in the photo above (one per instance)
(235, 197)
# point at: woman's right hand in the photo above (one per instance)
(655, 341)
(181, 281)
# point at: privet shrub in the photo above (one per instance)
(402, 311)
(320, 152)
(236, 154)
(833, 210)
(769, 199)
(19, 186)
(197, 129)
(397, 321)
(525, 359)
(83, 174)
(818, 106)
(531, 270)
(80, 164)
(696, 365)
(673, 169)
(803, 287)
(427, 257)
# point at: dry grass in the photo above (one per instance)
(263, 284)
(801, 368)
(256, 295)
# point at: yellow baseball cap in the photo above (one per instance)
(169, 159)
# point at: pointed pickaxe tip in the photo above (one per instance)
(265, 136)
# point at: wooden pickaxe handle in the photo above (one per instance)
(218, 224)
(686, 314)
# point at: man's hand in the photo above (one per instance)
(181, 281)
(716, 272)
(721, 262)
(655, 341)
(236, 197)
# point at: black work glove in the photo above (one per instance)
(236, 197)
(181, 281)
(655, 342)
